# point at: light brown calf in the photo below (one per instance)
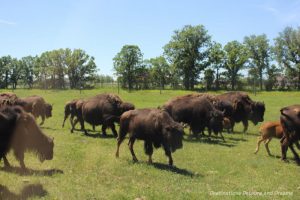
(269, 130)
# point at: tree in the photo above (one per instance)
(28, 64)
(160, 71)
(188, 52)
(126, 63)
(235, 59)
(272, 72)
(81, 68)
(15, 72)
(216, 59)
(287, 50)
(259, 54)
(5, 62)
(209, 78)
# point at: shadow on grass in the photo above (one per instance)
(48, 128)
(29, 191)
(28, 172)
(213, 141)
(99, 135)
(176, 170)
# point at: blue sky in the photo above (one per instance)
(101, 28)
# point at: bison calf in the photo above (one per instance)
(155, 127)
(19, 132)
(268, 131)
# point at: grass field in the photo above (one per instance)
(86, 168)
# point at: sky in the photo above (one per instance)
(101, 28)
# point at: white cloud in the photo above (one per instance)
(5, 22)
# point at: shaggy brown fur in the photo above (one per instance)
(269, 130)
(19, 132)
(38, 107)
(155, 127)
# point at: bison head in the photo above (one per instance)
(216, 121)
(174, 135)
(48, 110)
(257, 112)
(126, 107)
(30, 136)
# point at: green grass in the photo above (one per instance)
(91, 171)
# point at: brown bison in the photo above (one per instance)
(19, 132)
(37, 106)
(244, 108)
(290, 121)
(155, 127)
(74, 110)
(268, 131)
(104, 109)
(198, 113)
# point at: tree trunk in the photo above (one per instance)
(260, 80)
(217, 79)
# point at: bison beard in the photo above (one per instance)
(20, 132)
(155, 127)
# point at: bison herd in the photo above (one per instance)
(157, 127)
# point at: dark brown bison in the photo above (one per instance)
(244, 108)
(198, 113)
(70, 108)
(37, 106)
(290, 121)
(155, 127)
(104, 109)
(19, 132)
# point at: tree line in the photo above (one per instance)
(57, 69)
(192, 59)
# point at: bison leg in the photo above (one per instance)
(6, 163)
(94, 128)
(113, 128)
(131, 143)
(20, 158)
(65, 118)
(267, 146)
(43, 120)
(232, 125)
(148, 147)
(260, 139)
(245, 123)
(120, 140)
(73, 124)
(222, 136)
(168, 153)
(104, 126)
(284, 148)
(296, 156)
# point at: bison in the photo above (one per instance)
(155, 127)
(244, 108)
(268, 131)
(19, 132)
(290, 121)
(104, 109)
(198, 113)
(37, 106)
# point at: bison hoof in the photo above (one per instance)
(134, 159)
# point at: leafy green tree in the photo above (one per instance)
(209, 78)
(81, 68)
(287, 50)
(235, 59)
(188, 52)
(15, 72)
(272, 72)
(126, 63)
(28, 63)
(259, 54)
(216, 59)
(5, 63)
(160, 71)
